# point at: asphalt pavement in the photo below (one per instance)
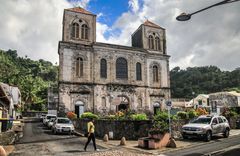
(38, 140)
(217, 147)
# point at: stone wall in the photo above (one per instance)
(7, 138)
(131, 130)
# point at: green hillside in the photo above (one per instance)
(32, 77)
(207, 79)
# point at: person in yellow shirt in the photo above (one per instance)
(91, 135)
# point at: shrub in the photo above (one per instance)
(192, 114)
(201, 111)
(228, 113)
(71, 115)
(159, 127)
(89, 115)
(182, 115)
(139, 117)
(161, 116)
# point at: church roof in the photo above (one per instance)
(151, 24)
(80, 10)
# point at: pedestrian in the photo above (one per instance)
(91, 135)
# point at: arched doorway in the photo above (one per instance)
(156, 108)
(79, 108)
(124, 103)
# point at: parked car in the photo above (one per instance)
(18, 126)
(42, 117)
(63, 125)
(48, 117)
(206, 126)
(50, 123)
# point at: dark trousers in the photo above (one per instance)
(91, 137)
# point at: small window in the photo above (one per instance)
(84, 31)
(214, 121)
(138, 71)
(75, 30)
(79, 67)
(150, 42)
(104, 102)
(121, 68)
(220, 120)
(140, 103)
(155, 74)
(103, 68)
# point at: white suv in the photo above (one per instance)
(48, 117)
(206, 126)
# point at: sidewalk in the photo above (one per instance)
(133, 145)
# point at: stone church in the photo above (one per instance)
(105, 78)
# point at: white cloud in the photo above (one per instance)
(33, 27)
(209, 38)
(134, 5)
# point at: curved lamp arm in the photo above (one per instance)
(185, 17)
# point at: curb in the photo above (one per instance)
(216, 153)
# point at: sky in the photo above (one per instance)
(212, 37)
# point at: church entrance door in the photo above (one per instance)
(79, 108)
(124, 103)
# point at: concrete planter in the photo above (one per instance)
(155, 141)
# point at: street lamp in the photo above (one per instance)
(185, 16)
(193, 93)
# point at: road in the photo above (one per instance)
(38, 140)
(218, 147)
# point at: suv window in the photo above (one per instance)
(220, 120)
(214, 121)
(224, 119)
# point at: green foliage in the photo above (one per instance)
(159, 127)
(228, 113)
(89, 115)
(207, 79)
(192, 114)
(32, 78)
(139, 117)
(182, 115)
(161, 116)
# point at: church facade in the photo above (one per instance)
(105, 78)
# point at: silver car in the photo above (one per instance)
(206, 126)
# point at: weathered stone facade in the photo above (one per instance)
(105, 78)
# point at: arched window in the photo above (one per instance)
(103, 68)
(104, 102)
(75, 30)
(155, 74)
(84, 31)
(79, 67)
(157, 43)
(150, 42)
(138, 71)
(121, 68)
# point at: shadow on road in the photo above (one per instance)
(74, 151)
(45, 140)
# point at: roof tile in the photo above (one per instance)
(80, 10)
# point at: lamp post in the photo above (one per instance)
(185, 16)
(193, 93)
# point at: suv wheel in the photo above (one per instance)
(208, 136)
(226, 133)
